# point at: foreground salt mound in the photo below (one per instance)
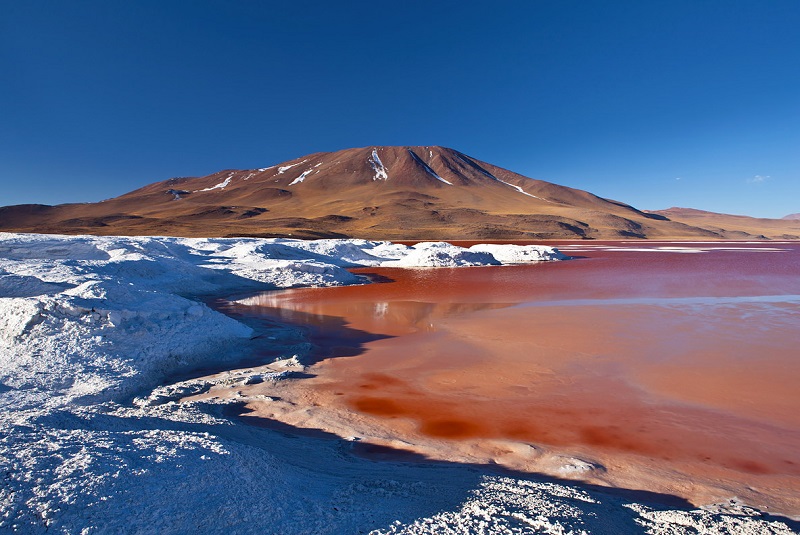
(352, 253)
(519, 254)
(90, 317)
(92, 440)
(442, 254)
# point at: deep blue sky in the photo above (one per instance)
(655, 103)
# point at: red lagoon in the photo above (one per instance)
(679, 358)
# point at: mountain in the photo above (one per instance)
(374, 192)
(792, 216)
(735, 226)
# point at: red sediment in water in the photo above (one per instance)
(379, 406)
(678, 358)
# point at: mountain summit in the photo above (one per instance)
(373, 192)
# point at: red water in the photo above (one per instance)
(689, 359)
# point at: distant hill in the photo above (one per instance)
(735, 226)
(792, 216)
(391, 192)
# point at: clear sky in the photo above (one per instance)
(654, 103)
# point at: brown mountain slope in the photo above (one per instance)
(373, 192)
(735, 226)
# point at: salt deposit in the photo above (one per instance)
(93, 439)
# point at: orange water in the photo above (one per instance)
(689, 359)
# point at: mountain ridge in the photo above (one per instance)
(376, 192)
(735, 226)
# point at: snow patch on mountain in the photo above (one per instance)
(300, 178)
(285, 168)
(377, 166)
(177, 193)
(480, 169)
(427, 168)
(221, 185)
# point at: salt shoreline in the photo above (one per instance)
(87, 322)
